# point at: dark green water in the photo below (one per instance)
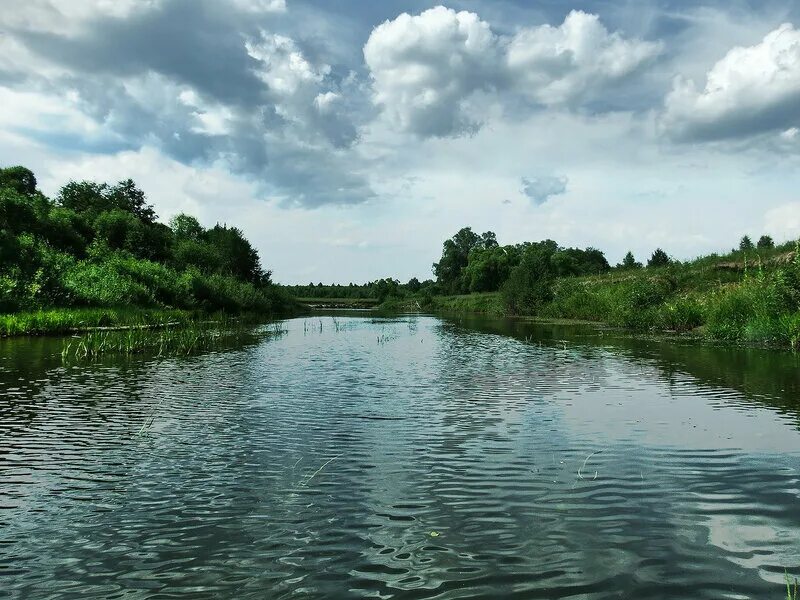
(402, 458)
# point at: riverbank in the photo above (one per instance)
(731, 299)
(63, 321)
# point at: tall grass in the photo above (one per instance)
(70, 320)
(172, 340)
(791, 594)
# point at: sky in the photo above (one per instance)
(348, 139)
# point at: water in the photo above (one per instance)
(402, 458)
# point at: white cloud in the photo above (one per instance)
(751, 90)
(541, 188)
(557, 65)
(261, 6)
(424, 67)
(67, 16)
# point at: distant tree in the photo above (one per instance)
(745, 243)
(658, 259)
(629, 262)
(236, 256)
(530, 284)
(95, 198)
(765, 241)
(489, 239)
(574, 261)
(488, 268)
(455, 257)
(413, 285)
(186, 227)
(127, 196)
(119, 229)
(19, 179)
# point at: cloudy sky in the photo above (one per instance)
(349, 138)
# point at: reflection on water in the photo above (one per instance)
(402, 458)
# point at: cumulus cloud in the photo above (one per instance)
(556, 65)
(541, 188)
(199, 80)
(426, 68)
(750, 91)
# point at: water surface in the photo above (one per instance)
(411, 457)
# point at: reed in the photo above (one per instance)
(172, 340)
(791, 591)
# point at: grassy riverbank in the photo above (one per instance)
(748, 297)
(71, 320)
(68, 262)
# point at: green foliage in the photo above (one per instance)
(659, 258)
(455, 257)
(488, 267)
(530, 284)
(18, 179)
(745, 244)
(629, 262)
(764, 242)
(574, 299)
(68, 320)
(100, 246)
(93, 198)
(186, 227)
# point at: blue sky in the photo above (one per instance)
(348, 139)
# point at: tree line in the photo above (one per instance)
(99, 244)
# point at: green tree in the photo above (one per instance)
(530, 284)
(764, 242)
(629, 262)
(95, 198)
(487, 268)
(745, 243)
(236, 256)
(19, 179)
(658, 259)
(186, 227)
(455, 257)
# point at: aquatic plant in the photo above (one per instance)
(177, 340)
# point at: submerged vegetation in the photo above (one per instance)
(100, 246)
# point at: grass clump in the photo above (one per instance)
(173, 340)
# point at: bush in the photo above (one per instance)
(634, 303)
(102, 284)
(681, 314)
(575, 300)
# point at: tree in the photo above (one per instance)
(19, 179)
(765, 241)
(236, 256)
(629, 262)
(186, 227)
(488, 268)
(658, 259)
(413, 285)
(530, 284)
(95, 198)
(745, 244)
(455, 257)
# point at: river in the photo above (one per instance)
(408, 457)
